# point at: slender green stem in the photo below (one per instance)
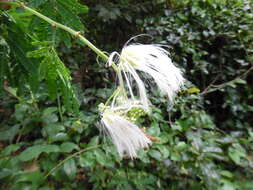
(73, 33)
(70, 157)
(121, 83)
(69, 30)
(115, 93)
(63, 27)
(59, 106)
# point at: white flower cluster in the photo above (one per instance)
(154, 61)
(127, 137)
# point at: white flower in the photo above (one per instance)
(126, 136)
(150, 59)
(155, 61)
(126, 73)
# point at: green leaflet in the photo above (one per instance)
(63, 11)
(69, 15)
(3, 61)
(40, 64)
(74, 6)
(37, 3)
(56, 75)
(70, 169)
(17, 46)
(34, 151)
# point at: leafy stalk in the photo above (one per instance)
(74, 33)
(63, 27)
(70, 157)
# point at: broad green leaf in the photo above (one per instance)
(35, 177)
(35, 151)
(226, 173)
(175, 156)
(180, 146)
(228, 185)
(164, 150)
(53, 128)
(68, 147)
(236, 153)
(59, 137)
(70, 168)
(240, 81)
(154, 130)
(94, 141)
(49, 111)
(11, 148)
(9, 133)
(143, 156)
(100, 156)
(155, 154)
(193, 90)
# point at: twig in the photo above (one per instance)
(69, 157)
(210, 85)
(55, 24)
(59, 107)
(20, 134)
(223, 85)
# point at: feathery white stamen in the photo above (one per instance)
(141, 87)
(126, 136)
(154, 60)
(129, 72)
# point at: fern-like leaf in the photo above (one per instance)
(56, 75)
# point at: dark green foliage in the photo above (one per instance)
(62, 11)
(203, 141)
(212, 39)
(16, 44)
(56, 75)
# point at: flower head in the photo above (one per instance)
(155, 61)
(127, 74)
(116, 118)
(126, 136)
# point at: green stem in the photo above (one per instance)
(121, 82)
(81, 38)
(69, 30)
(63, 27)
(59, 106)
(69, 157)
(73, 33)
(115, 93)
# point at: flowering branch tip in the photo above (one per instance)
(132, 94)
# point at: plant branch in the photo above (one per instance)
(55, 24)
(223, 85)
(69, 157)
(69, 30)
(211, 84)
